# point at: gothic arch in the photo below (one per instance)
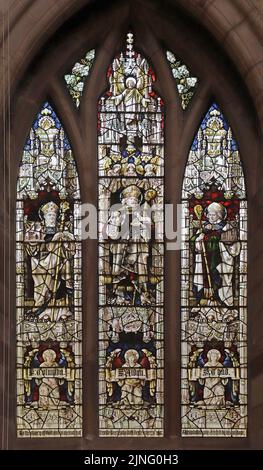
(226, 21)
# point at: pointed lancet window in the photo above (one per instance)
(48, 286)
(214, 284)
(131, 183)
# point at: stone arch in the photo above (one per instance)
(35, 73)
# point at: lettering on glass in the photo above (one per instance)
(131, 152)
(48, 288)
(214, 284)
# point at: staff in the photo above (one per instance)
(198, 210)
(64, 206)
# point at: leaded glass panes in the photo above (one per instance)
(48, 293)
(76, 79)
(214, 284)
(131, 153)
(185, 82)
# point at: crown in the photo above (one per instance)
(131, 191)
(48, 208)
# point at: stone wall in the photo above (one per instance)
(221, 42)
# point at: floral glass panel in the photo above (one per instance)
(48, 293)
(76, 79)
(214, 284)
(130, 150)
(186, 84)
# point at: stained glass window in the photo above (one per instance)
(131, 152)
(214, 284)
(185, 82)
(48, 267)
(76, 79)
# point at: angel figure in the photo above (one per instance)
(214, 387)
(49, 378)
(130, 90)
(131, 373)
(213, 378)
(131, 388)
